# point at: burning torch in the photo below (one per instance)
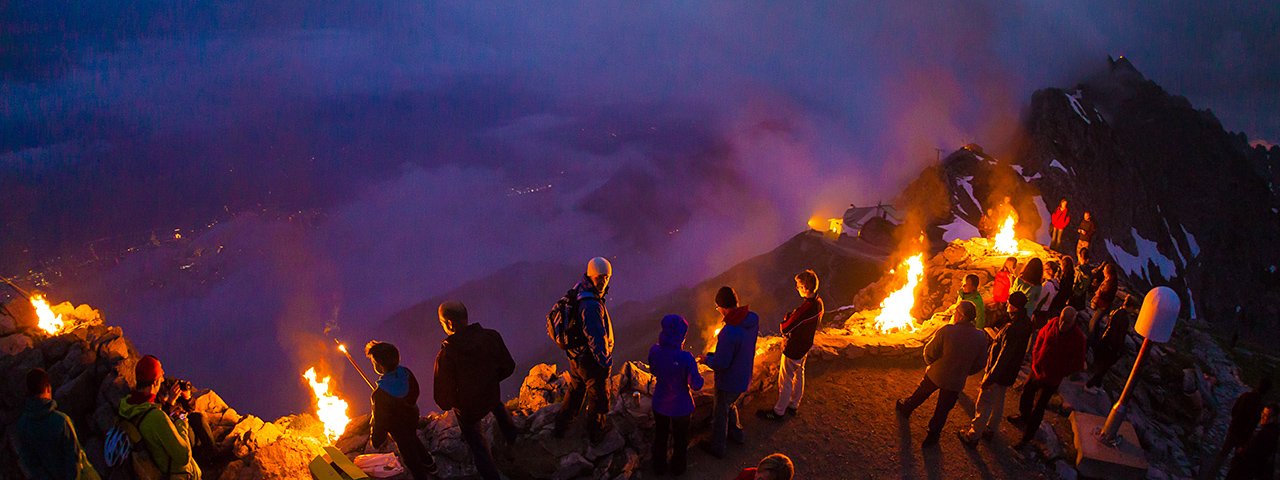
(343, 348)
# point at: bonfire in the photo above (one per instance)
(1005, 242)
(330, 408)
(50, 322)
(895, 310)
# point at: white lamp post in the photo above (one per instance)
(1155, 323)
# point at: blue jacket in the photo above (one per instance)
(735, 350)
(595, 324)
(46, 443)
(675, 370)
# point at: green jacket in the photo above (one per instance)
(169, 444)
(1031, 291)
(979, 322)
(46, 443)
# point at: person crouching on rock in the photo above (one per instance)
(1057, 353)
(956, 351)
(1004, 361)
(395, 409)
(677, 377)
(472, 362)
(45, 439)
(591, 360)
(732, 361)
(798, 329)
(167, 440)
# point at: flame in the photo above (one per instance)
(1005, 242)
(331, 409)
(49, 322)
(836, 225)
(895, 310)
(342, 348)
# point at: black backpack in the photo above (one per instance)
(564, 325)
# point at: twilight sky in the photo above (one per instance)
(676, 137)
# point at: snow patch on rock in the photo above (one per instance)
(1058, 165)
(1075, 105)
(1148, 254)
(1191, 241)
(1042, 234)
(958, 229)
(1018, 168)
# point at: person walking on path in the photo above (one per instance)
(167, 441)
(1256, 459)
(676, 378)
(956, 351)
(1059, 221)
(395, 410)
(1111, 347)
(798, 329)
(1245, 414)
(44, 438)
(591, 358)
(1057, 353)
(732, 361)
(472, 363)
(1004, 361)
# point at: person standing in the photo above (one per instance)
(1086, 231)
(168, 442)
(798, 329)
(732, 361)
(1048, 290)
(45, 439)
(1245, 414)
(1103, 297)
(1057, 353)
(1111, 347)
(1004, 361)
(1030, 282)
(472, 363)
(1256, 459)
(395, 410)
(1059, 221)
(591, 357)
(1003, 282)
(676, 378)
(1066, 285)
(956, 351)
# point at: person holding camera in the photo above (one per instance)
(175, 400)
(166, 439)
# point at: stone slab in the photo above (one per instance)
(1096, 460)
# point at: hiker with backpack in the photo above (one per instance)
(472, 362)
(580, 325)
(45, 439)
(167, 440)
(676, 378)
(732, 361)
(395, 410)
(798, 329)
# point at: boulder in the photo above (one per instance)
(12, 344)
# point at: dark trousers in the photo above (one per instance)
(474, 438)
(203, 446)
(413, 453)
(946, 401)
(724, 420)
(678, 429)
(588, 384)
(1055, 238)
(1101, 365)
(1032, 404)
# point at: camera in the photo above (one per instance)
(184, 385)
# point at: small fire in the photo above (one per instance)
(1005, 242)
(49, 322)
(895, 310)
(331, 409)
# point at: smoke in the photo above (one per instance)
(433, 145)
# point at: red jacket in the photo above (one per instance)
(746, 474)
(1057, 353)
(1000, 287)
(1061, 218)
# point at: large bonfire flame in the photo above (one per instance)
(1005, 242)
(895, 310)
(331, 409)
(50, 322)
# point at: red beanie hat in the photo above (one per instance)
(148, 370)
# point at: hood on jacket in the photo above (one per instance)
(738, 317)
(395, 382)
(586, 285)
(39, 407)
(674, 329)
(131, 411)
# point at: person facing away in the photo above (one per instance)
(395, 409)
(676, 374)
(1256, 458)
(732, 361)
(168, 442)
(1058, 352)
(773, 467)
(1003, 281)
(1084, 284)
(1066, 285)
(1004, 360)
(1059, 220)
(591, 358)
(472, 363)
(1048, 290)
(956, 351)
(45, 439)
(1030, 282)
(798, 329)
(969, 293)
(1111, 347)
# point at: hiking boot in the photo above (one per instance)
(793, 411)
(768, 414)
(901, 408)
(969, 438)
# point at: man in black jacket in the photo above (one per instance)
(1256, 459)
(1004, 360)
(471, 363)
(590, 353)
(1244, 419)
(798, 329)
(395, 409)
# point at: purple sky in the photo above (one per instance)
(679, 139)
